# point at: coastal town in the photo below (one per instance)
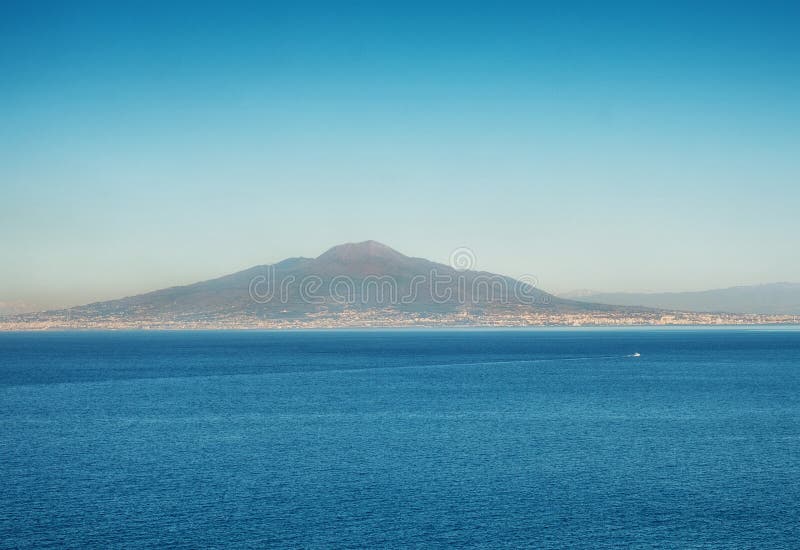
(390, 318)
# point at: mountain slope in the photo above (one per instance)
(771, 299)
(349, 277)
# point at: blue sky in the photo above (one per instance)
(610, 146)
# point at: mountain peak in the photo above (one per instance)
(350, 252)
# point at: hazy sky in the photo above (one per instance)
(636, 146)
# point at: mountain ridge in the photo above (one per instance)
(781, 298)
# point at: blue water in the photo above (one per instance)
(543, 438)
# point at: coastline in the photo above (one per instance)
(40, 322)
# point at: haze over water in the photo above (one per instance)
(547, 438)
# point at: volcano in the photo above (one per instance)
(352, 277)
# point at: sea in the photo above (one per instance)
(535, 438)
